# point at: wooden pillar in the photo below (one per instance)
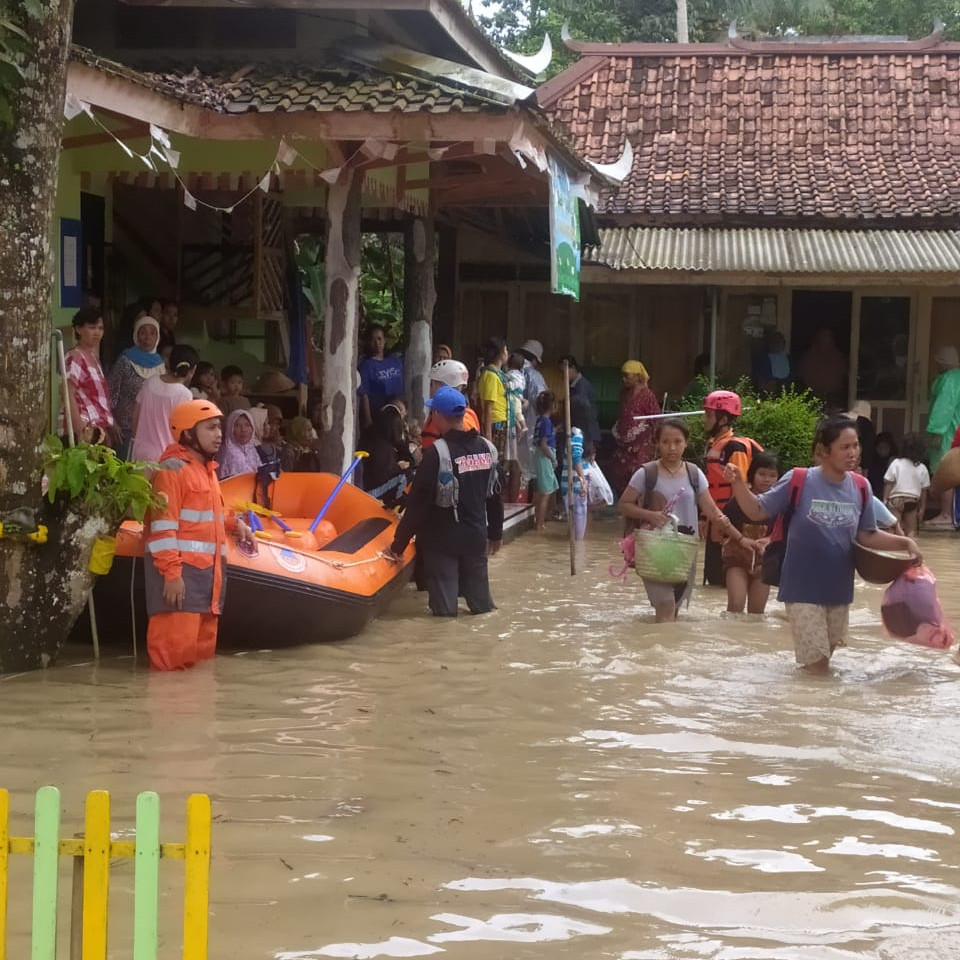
(341, 329)
(419, 300)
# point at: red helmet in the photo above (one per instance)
(723, 401)
(187, 415)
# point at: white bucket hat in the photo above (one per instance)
(534, 348)
(947, 356)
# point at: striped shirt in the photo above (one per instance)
(85, 375)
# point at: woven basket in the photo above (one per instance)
(664, 555)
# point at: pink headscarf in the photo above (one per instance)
(235, 458)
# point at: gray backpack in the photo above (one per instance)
(651, 473)
(448, 483)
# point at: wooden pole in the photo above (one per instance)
(569, 456)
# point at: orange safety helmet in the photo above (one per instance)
(187, 415)
(723, 401)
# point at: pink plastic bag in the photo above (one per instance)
(628, 547)
(911, 610)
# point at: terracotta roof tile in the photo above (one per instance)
(740, 134)
(292, 87)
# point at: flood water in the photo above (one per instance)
(564, 779)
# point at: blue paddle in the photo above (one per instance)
(357, 457)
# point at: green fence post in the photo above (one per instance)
(146, 881)
(46, 850)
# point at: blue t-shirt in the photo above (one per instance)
(885, 519)
(544, 431)
(818, 564)
(380, 381)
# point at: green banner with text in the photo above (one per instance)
(564, 233)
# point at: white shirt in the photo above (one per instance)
(909, 479)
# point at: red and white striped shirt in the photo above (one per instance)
(85, 375)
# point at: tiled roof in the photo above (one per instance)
(790, 251)
(288, 87)
(863, 133)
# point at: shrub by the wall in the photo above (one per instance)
(784, 423)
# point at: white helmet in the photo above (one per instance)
(451, 373)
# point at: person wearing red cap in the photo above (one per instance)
(720, 411)
(185, 562)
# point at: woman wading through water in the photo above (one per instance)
(833, 509)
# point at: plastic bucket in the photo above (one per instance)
(101, 556)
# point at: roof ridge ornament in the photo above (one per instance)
(535, 63)
(618, 171)
(565, 34)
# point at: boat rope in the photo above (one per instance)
(398, 481)
(344, 564)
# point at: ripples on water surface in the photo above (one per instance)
(566, 779)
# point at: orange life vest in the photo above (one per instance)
(429, 435)
(723, 450)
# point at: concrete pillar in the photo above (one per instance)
(341, 326)
(419, 300)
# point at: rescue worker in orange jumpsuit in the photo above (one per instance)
(720, 411)
(186, 542)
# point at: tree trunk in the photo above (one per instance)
(683, 31)
(42, 587)
(419, 299)
(341, 329)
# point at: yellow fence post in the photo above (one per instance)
(96, 875)
(4, 862)
(196, 896)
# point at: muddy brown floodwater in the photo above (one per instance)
(564, 779)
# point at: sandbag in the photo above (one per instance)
(911, 610)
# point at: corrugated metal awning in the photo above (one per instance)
(764, 250)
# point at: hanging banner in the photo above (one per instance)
(564, 232)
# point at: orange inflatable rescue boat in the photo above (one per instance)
(292, 586)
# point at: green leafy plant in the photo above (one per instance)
(381, 281)
(784, 423)
(94, 477)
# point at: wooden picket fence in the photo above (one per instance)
(91, 879)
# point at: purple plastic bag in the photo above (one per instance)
(911, 610)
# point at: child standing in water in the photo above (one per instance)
(905, 485)
(545, 456)
(741, 560)
(671, 485)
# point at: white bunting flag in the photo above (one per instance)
(286, 154)
(72, 107)
(189, 200)
(159, 135)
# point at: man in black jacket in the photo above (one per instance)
(454, 510)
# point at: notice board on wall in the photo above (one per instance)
(71, 263)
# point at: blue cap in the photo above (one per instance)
(448, 402)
